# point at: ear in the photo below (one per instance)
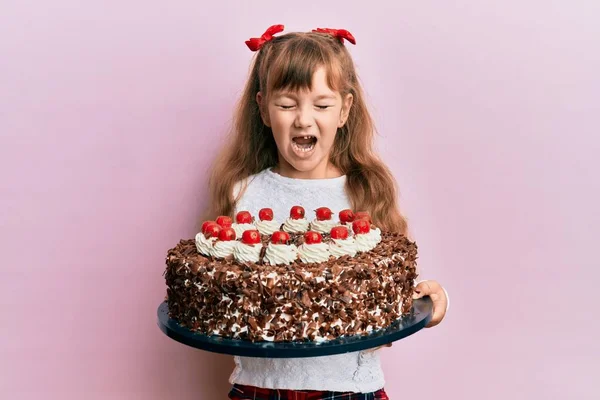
(346, 105)
(263, 108)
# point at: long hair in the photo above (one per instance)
(288, 62)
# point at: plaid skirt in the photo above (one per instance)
(243, 392)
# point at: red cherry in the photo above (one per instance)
(361, 226)
(323, 213)
(265, 214)
(243, 217)
(297, 212)
(312, 237)
(346, 216)
(227, 234)
(205, 225)
(212, 230)
(363, 215)
(280, 237)
(339, 232)
(224, 221)
(251, 237)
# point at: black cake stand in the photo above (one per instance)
(419, 317)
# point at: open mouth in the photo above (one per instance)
(304, 144)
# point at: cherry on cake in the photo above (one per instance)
(323, 221)
(342, 243)
(207, 237)
(313, 250)
(225, 244)
(366, 235)
(280, 250)
(243, 222)
(249, 249)
(297, 222)
(266, 224)
(224, 221)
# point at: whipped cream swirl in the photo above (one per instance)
(295, 225)
(240, 228)
(267, 227)
(223, 248)
(342, 247)
(281, 253)
(247, 252)
(203, 244)
(368, 241)
(376, 233)
(317, 252)
(323, 226)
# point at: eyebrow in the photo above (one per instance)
(326, 96)
(319, 97)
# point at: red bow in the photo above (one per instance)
(255, 44)
(338, 33)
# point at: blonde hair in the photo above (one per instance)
(288, 62)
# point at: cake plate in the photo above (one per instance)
(419, 317)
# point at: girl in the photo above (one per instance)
(303, 136)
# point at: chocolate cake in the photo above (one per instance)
(290, 296)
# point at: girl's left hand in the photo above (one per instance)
(438, 296)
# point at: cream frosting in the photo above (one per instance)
(267, 227)
(203, 244)
(247, 252)
(323, 226)
(376, 233)
(368, 241)
(240, 228)
(317, 252)
(295, 225)
(223, 248)
(341, 247)
(281, 253)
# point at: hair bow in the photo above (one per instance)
(255, 44)
(338, 33)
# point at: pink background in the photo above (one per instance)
(110, 113)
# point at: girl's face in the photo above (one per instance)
(304, 125)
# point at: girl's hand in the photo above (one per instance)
(440, 303)
(438, 296)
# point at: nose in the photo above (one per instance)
(304, 118)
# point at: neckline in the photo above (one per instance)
(322, 182)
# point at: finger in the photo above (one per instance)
(439, 308)
(422, 289)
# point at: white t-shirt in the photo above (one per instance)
(349, 372)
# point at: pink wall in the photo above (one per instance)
(110, 114)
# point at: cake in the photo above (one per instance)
(295, 280)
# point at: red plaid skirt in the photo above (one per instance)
(243, 392)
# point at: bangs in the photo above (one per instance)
(293, 68)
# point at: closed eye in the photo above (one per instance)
(323, 107)
(285, 107)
